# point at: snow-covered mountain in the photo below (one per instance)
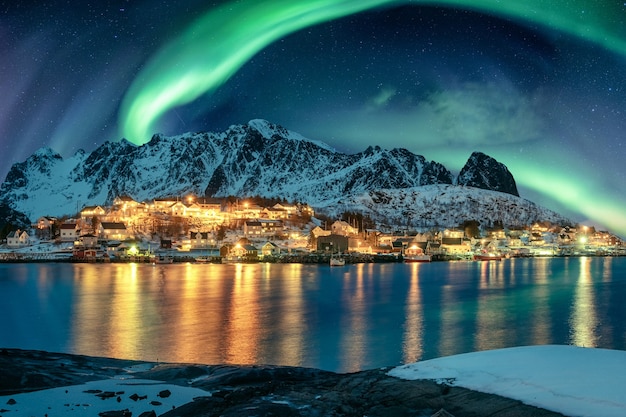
(482, 171)
(258, 158)
(442, 205)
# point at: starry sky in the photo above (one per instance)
(539, 85)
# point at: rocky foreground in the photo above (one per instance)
(237, 391)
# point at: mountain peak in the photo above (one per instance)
(46, 152)
(257, 158)
(483, 171)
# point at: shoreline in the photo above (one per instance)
(321, 259)
(235, 391)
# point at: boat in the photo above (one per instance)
(416, 254)
(337, 260)
(422, 257)
(203, 259)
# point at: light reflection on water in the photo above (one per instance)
(583, 319)
(343, 319)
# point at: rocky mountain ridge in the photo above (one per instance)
(258, 158)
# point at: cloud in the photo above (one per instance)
(382, 99)
(470, 116)
(483, 115)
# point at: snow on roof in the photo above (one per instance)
(570, 380)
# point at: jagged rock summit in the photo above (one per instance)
(257, 158)
(482, 171)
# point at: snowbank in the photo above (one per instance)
(570, 380)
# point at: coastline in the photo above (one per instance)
(237, 390)
(322, 259)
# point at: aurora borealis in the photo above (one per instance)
(539, 85)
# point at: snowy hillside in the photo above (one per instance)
(261, 158)
(442, 205)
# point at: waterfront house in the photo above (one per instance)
(45, 227)
(455, 246)
(127, 206)
(453, 234)
(343, 228)
(398, 245)
(240, 251)
(262, 228)
(113, 231)
(89, 240)
(69, 232)
(178, 209)
(290, 209)
(201, 240)
(270, 249)
(87, 213)
(18, 238)
(318, 231)
(274, 213)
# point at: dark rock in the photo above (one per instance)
(168, 372)
(11, 401)
(281, 391)
(164, 394)
(150, 413)
(106, 394)
(482, 171)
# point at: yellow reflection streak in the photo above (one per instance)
(190, 306)
(354, 343)
(244, 324)
(113, 326)
(413, 348)
(491, 312)
(491, 274)
(583, 319)
(607, 269)
(43, 286)
(451, 316)
(541, 324)
(291, 337)
(126, 326)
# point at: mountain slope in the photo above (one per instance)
(258, 158)
(482, 171)
(442, 205)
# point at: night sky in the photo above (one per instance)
(540, 86)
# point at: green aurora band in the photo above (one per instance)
(214, 47)
(219, 43)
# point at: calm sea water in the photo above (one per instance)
(342, 318)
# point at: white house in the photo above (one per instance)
(343, 228)
(201, 240)
(270, 249)
(90, 211)
(18, 238)
(69, 232)
(262, 227)
(113, 231)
